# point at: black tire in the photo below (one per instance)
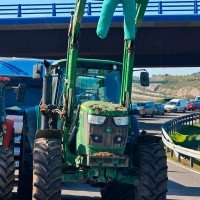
(152, 163)
(7, 170)
(25, 165)
(117, 191)
(47, 169)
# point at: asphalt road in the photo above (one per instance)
(183, 184)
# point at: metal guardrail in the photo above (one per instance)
(175, 125)
(93, 9)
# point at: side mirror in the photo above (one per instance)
(144, 79)
(37, 71)
(21, 90)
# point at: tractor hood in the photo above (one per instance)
(103, 108)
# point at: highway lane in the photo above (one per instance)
(182, 185)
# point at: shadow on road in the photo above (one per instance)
(64, 197)
(77, 191)
(181, 190)
(71, 197)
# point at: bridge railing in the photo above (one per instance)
(175, 125)
(93, 9)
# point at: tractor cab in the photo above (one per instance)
(96, 80)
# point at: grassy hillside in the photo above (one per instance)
(186, 87)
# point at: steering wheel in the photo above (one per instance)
(87, 96)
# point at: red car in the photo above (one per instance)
(189, 104)
(193, 105)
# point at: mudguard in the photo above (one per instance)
(148, 139)
(30, 122)
(49, 133)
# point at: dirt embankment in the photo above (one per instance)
(157, 91)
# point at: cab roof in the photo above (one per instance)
(89, 62)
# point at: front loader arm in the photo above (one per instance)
(141, 6)
(129, 56)
(72, 55)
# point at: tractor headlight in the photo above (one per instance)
(94, 119)
(96, 138)
(118, 139)
(121, 120)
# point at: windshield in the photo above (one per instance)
(98, 85)
(172, 103)
(141, 104)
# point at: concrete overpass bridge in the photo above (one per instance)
(169, 36)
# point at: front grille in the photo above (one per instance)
(107, 139)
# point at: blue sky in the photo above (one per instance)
(171, 71)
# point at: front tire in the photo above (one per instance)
(7, 169)
(47, 169)
(153, 172)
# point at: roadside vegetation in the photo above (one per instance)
(189, 137)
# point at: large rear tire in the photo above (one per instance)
(152, 165)
(7, 169)
(47, 169)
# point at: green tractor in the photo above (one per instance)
(82, 129)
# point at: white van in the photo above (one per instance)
(176, 105)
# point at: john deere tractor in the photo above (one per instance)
(82, 129)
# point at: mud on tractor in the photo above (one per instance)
(82, 131)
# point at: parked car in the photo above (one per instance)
(167, 100)
(133, 109)
(133, 106)
(194, 106)
(176, 105)
(197, 98)
(189, 104)
(159, 109)
(145, 108)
